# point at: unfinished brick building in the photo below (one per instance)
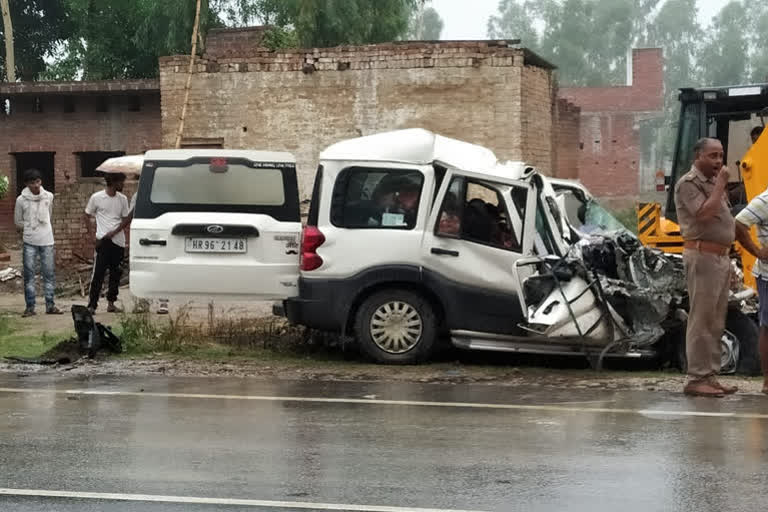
(611, 161)
(488, 92)
(65, 130)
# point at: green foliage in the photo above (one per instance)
(323, 23)
(115, 39)
(425, 25)
(4, 184)
(587, 39)
(280, 37)
(38, 27)
(724, 57)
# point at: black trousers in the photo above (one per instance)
(109, 256)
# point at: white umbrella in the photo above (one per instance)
(127, 164)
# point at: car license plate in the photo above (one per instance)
(217, 245)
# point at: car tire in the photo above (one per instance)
(397, 326)
(746, 334)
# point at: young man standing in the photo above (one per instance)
(143, 304)
(32, 214)
(109, 207)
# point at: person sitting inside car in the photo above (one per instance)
(397, 199)
(450, 220)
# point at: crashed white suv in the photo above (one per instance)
(413, 237)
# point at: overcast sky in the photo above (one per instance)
(468, 19)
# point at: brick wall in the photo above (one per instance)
(301, 101)
(58, 130)
(538, 103)
(610, 147)
(228, 42)
(567, 137)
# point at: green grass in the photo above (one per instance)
(26, 345)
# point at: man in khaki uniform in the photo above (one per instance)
(708, 229)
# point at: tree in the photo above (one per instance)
(676, 30)
(425, 25)
(724, 58)
(587, 39)
(147, 30)
(10, 69)
(323, 23)
(38, 27)
(514, 20)
(757, 13)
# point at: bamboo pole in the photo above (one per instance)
(10, 61)
(189, 76)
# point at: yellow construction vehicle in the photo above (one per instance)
(728, 114)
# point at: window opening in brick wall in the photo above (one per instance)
(88, 161)
(202, 143)
(42, 161)
(134, 104)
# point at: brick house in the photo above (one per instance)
(66, 129)
(487, 92)
(611, 161)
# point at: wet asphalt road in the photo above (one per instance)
(377, 445)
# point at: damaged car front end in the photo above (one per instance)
(640, 294)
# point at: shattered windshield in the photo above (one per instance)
(598, 220)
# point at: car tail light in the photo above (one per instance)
(311, 239)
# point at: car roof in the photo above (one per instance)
(569, 183)
(422, 147)
(253, 155)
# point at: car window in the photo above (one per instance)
(376, 198)
(215, 184)
(475, 211)
(199, 184)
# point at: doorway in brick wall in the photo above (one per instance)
(40, 160)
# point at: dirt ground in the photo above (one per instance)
(446, 373)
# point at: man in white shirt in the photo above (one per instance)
(109, 207)
(143, 304)
(32, 215)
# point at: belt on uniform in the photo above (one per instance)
(705, 246)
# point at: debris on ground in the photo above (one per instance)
(92, 338)
(65, 352)
(10, 273)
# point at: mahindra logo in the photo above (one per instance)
(215, 229)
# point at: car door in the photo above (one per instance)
(213, 225)
(478, 229)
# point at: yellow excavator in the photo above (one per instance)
(728, 114)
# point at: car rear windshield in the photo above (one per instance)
(219, 185)
(197, 184)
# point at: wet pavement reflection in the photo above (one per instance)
(576, 450)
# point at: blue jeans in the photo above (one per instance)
(30, 255)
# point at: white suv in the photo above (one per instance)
(217, 224)
(412, 236)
